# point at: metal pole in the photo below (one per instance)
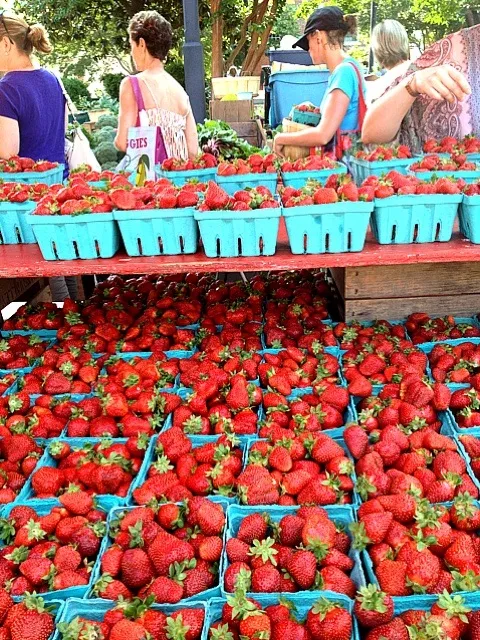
(193, 59)
(373, 21)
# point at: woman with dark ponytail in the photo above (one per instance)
(32, 104)
(343, 105)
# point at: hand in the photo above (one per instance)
(278, 144)
(441, 83)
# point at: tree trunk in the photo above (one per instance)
(257, 51)
(243, 35)
(217, 38)
(256, 34)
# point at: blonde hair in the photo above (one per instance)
(25, 37)
(337, 37)
(390, 43)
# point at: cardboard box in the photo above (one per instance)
(232, 110)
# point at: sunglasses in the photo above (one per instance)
(2, 21)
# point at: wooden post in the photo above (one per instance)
(193, 59)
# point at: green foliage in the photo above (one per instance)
(76, 89)
(287, 22)
(220, 139)
(109, 166)
(107, 121)
(111, 82)
(106, 152)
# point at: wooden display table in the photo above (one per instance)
(381, 281)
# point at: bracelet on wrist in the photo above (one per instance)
(410, 90)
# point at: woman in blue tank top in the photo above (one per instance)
(32, 104)
(343, 101)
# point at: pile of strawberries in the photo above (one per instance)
(170, 552)
(50, 552)
(411, 404)
(465, 405)
(422, 328)
(31, 618)
(44, 418)
(472, 447)
(217, 199)
(354, 335)
(255, 163)
(449, 144)
(293, 368)
(202, 161)
(86, 172)
(103, 468)
(300, 551)
(325, 618)
(434, 162)
(316, 162)
(416, 547)
(383, 153)
(399, 466)
(38, 317)
(6, 381)
(449, 617)
(456, 364)
(139, 620)
(298, 323)
(219, 404)
(19, 456)
(397, 184)
(20, 351)
(182, 469)
(307, 107)
(337, 188)
(18, 192)
(15, 164)
(323, 409)
(310, 468)
(215, 359)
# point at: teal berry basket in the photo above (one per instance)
(469, 176)
(50, 177)
(328, 228)
(86, 236)
(301, 605)
(158, 232)
(230, 234)
(362, 169)
(44, 507)
(306, 117)
(14, 227)
(96, 608)
(232, 184)
(469, 216)
(415, 218)
(298, 179)
(340, 515)
(180, 178)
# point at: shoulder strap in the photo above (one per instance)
(151, 92)
(137, 92)
(362, 106)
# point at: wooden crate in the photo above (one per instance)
(249, 131)
(393, 292)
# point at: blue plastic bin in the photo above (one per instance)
(158, 232)
(342, 515)
(14, 228)
(228, 234)
(298, 179)
(288, 88)
(179, 178)
(469, 216)
(361, 169)
(50, 177)
(415, 218)
(328, 228)
(96, 608)
(232, 184)
(87, 236)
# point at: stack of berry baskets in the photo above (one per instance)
(245, 224)
(379, 161)
(316, 167)
(201, 169)
(255, 171)
(332, 218)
